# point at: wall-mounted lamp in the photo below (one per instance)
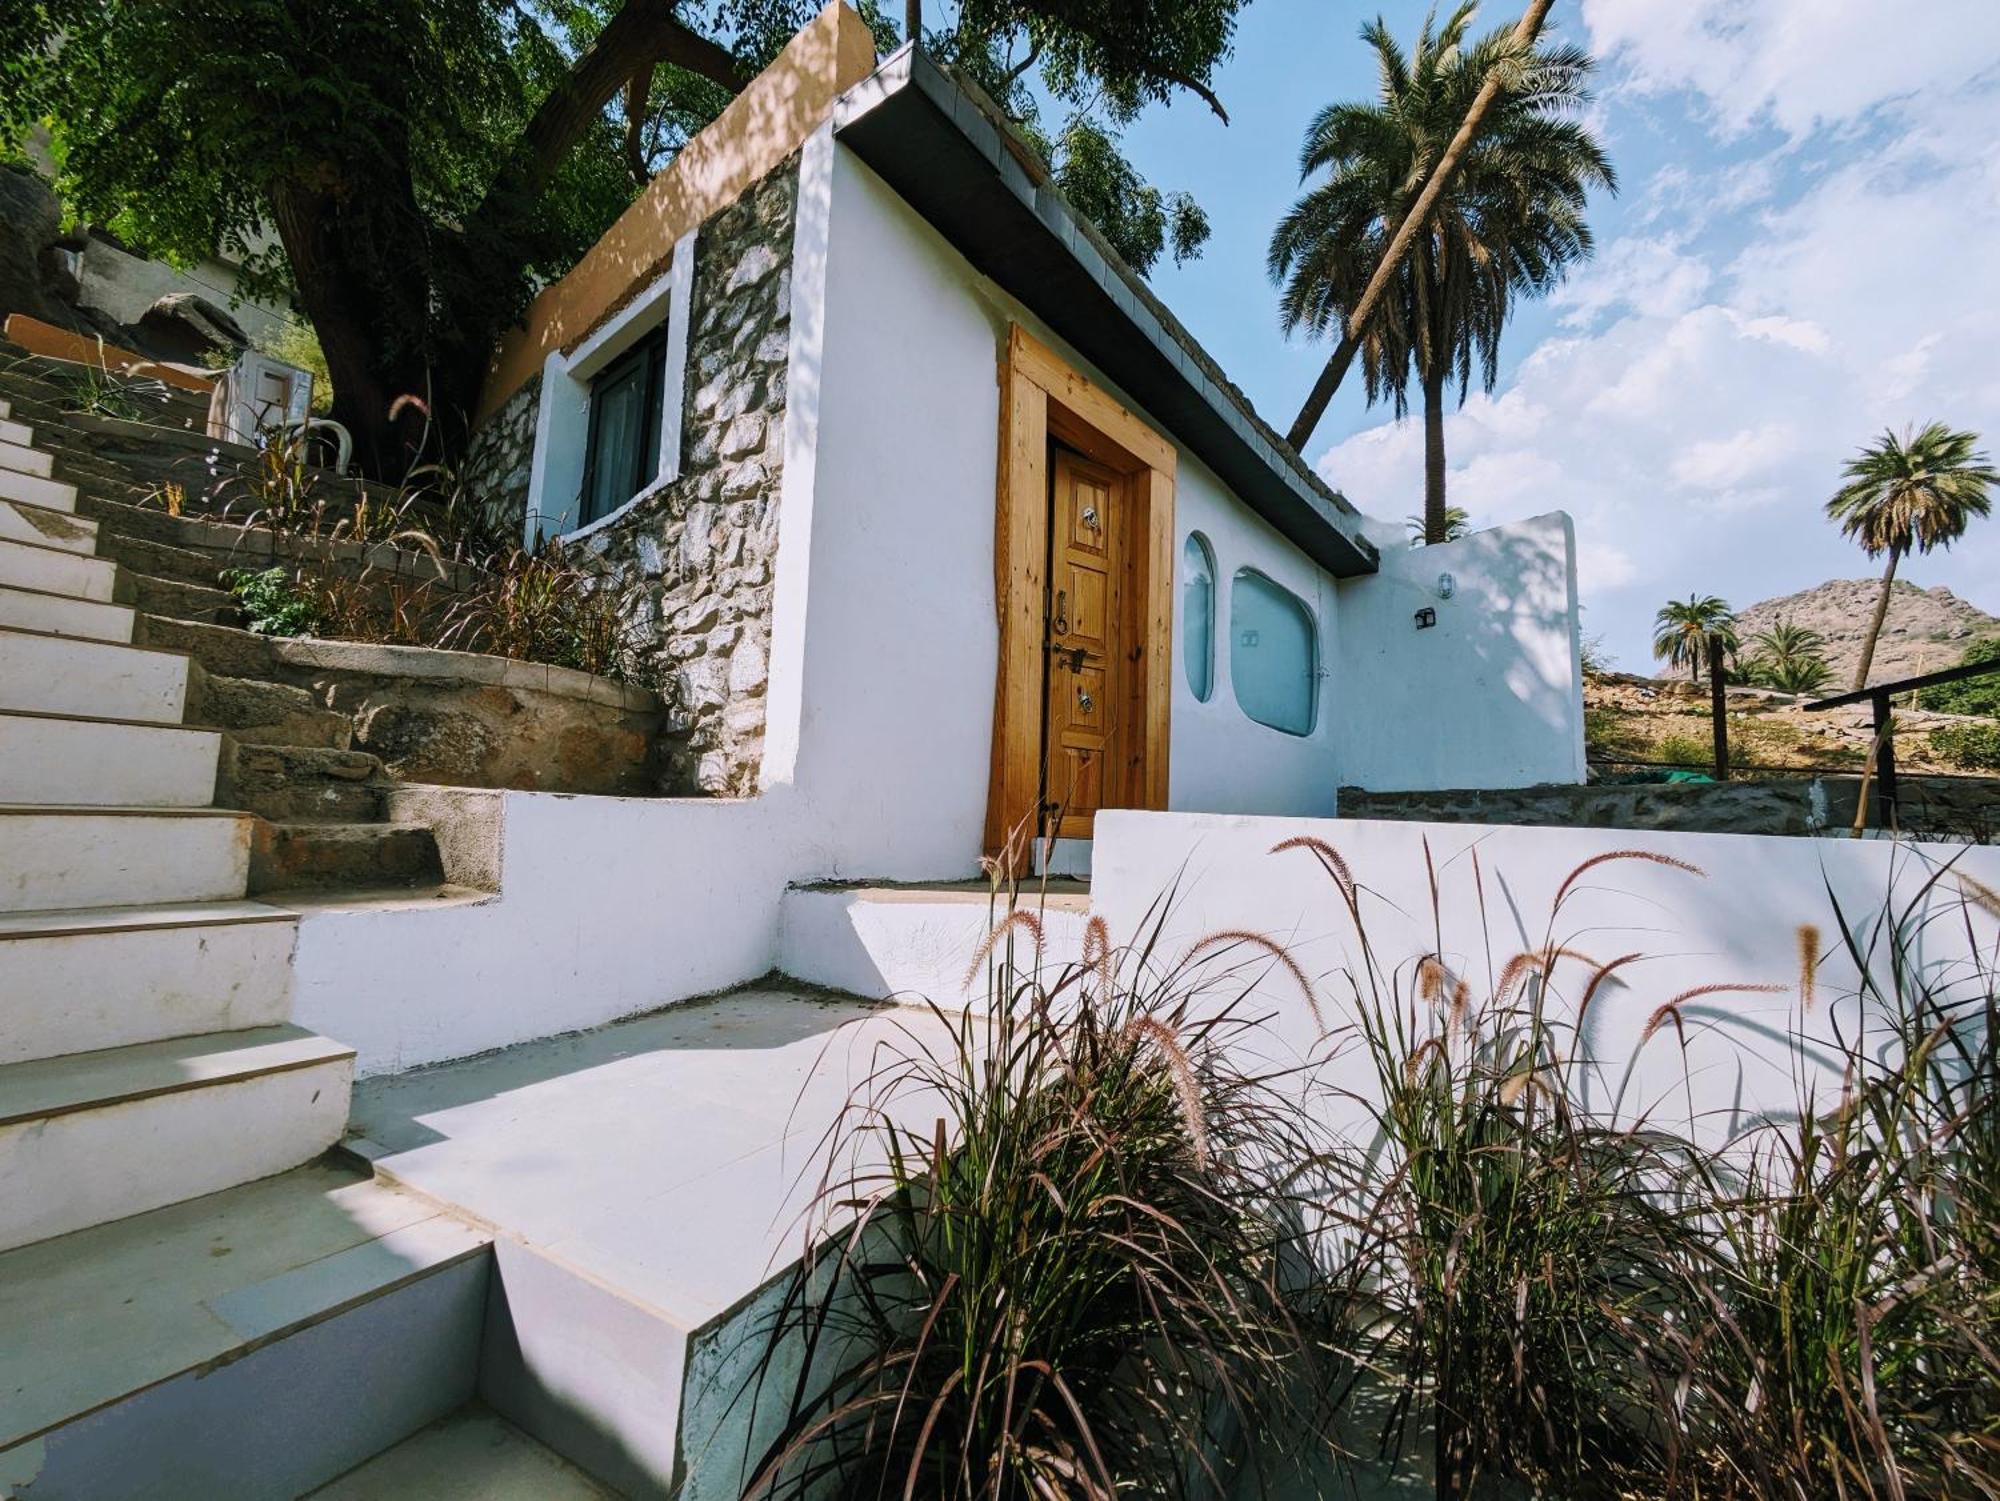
(1447, 586)
(1426, 618)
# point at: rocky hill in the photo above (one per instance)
(1927, 629)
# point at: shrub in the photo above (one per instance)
(1084, 1274)
(1973, 747)
(273, 602)
(1973, 695)
(1683, 750)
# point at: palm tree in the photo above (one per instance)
(1685, 632)
(1915, 492)
(1507, 224)
(1457, 524)
(1790, 658)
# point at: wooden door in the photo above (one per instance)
(1085, 700)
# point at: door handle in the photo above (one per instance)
(1062, 612)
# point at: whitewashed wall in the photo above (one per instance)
(1736, 923)
(1492, 695)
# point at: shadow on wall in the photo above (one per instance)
(1491, 695)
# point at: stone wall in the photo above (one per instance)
(697, 557)
(1952, 808)
(499, 456)
(693, 560)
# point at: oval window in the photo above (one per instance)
(1273, 654)
(1198, 615)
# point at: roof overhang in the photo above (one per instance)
(937, 147)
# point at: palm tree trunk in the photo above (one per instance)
(1525, 32)
(1875, 625)
(1436, 524)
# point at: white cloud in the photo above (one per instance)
(1695, 409)
(1796, 64)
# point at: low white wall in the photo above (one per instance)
(1490, 696)
(1738, 923)
(915, 946)
(609, 906)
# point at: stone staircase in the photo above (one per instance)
(84, 557)
(197, 1302)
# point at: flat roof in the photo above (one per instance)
(937, 146)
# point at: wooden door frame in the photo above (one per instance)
(1044, 399)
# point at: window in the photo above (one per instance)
(1273, 654)
(622, 456)
(1198, 615)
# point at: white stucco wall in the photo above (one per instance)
(1736, 923)
(1492, 695)
(894, 625)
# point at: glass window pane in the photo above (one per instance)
(625, 407)
(1198, 615)
(1273, 654)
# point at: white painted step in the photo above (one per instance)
(106, 977)
(61, 615)
(54, 858)
(18, 433)
(28, 460)
(472, 1455)
(41, 527)
(258, 1342)
(26, 565)
(57, 759)
(69, 675)
(88, 1138)
(34, 489)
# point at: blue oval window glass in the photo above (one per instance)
(1273, 654)
(1198, 615)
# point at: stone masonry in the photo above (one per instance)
(693, 560)
(500, 454)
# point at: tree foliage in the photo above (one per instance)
(1683, 628)
(1508, 226)
(1973, 695)
(409, 170)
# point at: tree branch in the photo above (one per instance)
(642, 34)
(637, 87)
(1201, 91)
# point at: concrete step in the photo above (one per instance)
(27, 460)
(42, 527)
(35, 489)
(60, 615)
(256, 1343)
(162, 560)
(269, 713)
(472, 1455)
(915, 940)
(173, 600)
(18, 434)
(70, 675)
(57, 857)
(302, 784)
(31, 566)
(336, 856)
(89, 1138)
(81, 979)
(66, 760)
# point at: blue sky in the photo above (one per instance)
(1805, 248)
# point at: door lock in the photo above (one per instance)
(1084, 701)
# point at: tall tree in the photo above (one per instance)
(1789, 657)
(408, 170)
(1910, 494)
(1684, 628)
(1507, 223)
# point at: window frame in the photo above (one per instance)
(1314, 664)
(1197, 541)
(651, 349)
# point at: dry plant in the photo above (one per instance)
(1068, 1248)
(1508, 1257)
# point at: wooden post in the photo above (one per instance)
(1885, 766)
(1718, 700)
